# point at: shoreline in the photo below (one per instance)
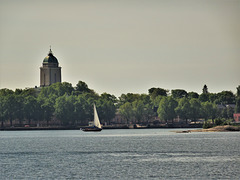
(226, 128)
(104, 127)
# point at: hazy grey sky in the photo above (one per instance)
(121, 46)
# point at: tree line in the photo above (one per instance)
(179, 103)
(58, 104)
(64, 105)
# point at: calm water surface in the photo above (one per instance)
(119, 154)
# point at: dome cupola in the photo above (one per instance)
(50, 58)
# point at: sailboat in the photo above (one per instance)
(96, 123)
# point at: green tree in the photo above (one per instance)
(26, 92)
(46, 107)
(129, 97)
(82, 87)
(126, 111)
(64, 109)
(225, 97)
(82, 110)
(56, 90)
(212, 97)
(148, 112)
(10, 100)
(19, 113)
(183, 109)
(63, 88)
(138, 110)
(237, 108)
(219, 121)
(109, 97)
(9, 108)
(195, 109)
(2, 110)
(157, 100)
(193, 95)
(106, 109)
(154, 92)
(209, 110)
(145, 98)
(179, 93)
(5, 92)
(222, 113)
(166, 109)
(204, 97)
(230, 112)
(30, 108)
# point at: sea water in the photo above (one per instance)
(119, 154)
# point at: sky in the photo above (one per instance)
(126, 46)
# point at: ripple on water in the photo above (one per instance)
(119, 154)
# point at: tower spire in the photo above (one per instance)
(50, 51)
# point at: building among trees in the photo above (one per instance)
(236, 117)
(50, 72)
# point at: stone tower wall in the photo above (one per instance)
(49, 75)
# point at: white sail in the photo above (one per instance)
(96, 121)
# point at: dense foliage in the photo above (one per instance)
(65, 105)
(58, 104)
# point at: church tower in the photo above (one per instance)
(50, 72)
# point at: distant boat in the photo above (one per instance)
(96, 123)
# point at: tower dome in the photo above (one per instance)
(50, 58)
(50, 72)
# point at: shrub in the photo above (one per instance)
(207, 125)
(219, 121)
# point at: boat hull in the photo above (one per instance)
(91, 129)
